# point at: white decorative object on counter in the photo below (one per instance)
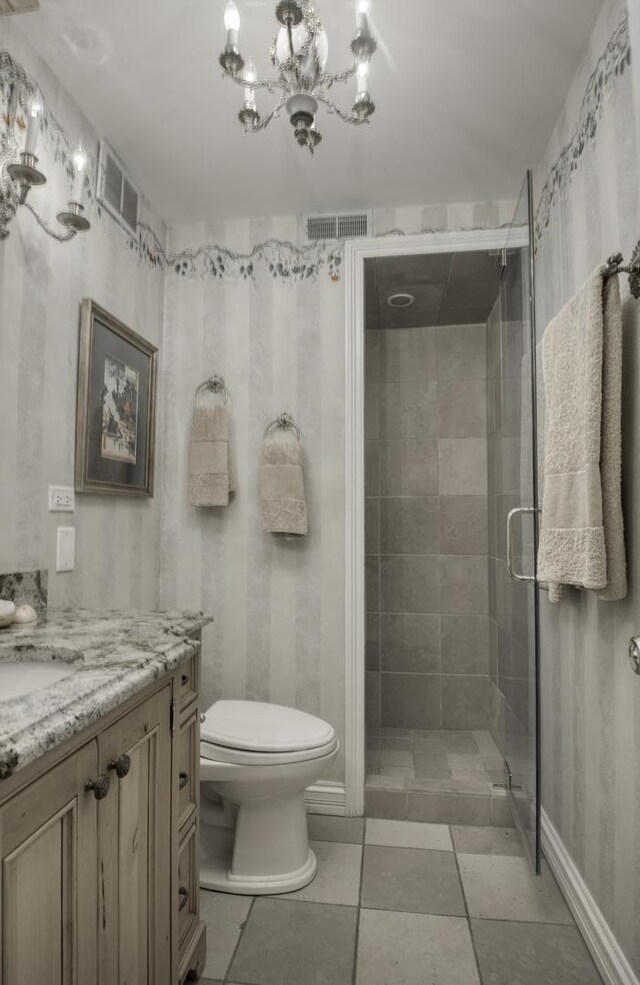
(7, 612)
(25, 614)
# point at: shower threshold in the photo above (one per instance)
(441, 776)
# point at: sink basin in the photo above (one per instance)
(24, 677)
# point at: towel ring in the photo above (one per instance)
(215, 384)
(283, 422)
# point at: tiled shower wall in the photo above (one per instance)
(426, 528)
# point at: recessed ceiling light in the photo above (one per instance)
(400, 300)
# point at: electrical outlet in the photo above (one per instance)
(66, 549)
(62, 499)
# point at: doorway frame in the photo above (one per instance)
(356, 251)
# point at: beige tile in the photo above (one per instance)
(409, 525)
(372, 525)
(464, 586)
(465, 702)
(407, 410)
(396, 757)
(448, 808)
(464, 644)
(372, 699)
(224, 916)
(410, 643)
(414, 949)
(461, 352)
(502, 888)
(372, 412)
(348, 830)
(410, 699)
(372, 582)
(531, 954)
(408, 354)
(338, 877)
(468, 840)
(462, 409)
(385, 803)
(287, 942)
(408, 834)
(408, 467)
(373, 641)
(411, 879)
(409, 583)
(462, 466)
(463, 525)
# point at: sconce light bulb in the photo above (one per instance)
(231, 17)
(79, 159)
(363, 74)
(250, 72)
(364, 6)
(35, 106)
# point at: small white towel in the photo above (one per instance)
(211, 475)
(582, 530)
(284, 507)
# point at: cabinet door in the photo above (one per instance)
(134, 839)
(49, 877)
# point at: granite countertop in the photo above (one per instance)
(112, 655)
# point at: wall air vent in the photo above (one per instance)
(116, 192)
(335, 226)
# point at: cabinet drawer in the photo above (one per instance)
(187, 890)
(188, 682)
(188, 752)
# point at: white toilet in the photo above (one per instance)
(256, 761)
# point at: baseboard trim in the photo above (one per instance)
(599, 938)
(327, 797)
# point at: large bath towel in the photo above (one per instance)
(582, 531)
(284, 507)
(211, 476)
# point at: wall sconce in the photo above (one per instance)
(19, 169)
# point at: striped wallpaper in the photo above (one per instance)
(590, 698)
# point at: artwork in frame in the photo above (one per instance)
(115, 428)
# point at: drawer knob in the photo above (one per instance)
(100, 786)
(183, 893)
(121, 765)
(184, 781)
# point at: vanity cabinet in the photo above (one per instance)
(99, 850)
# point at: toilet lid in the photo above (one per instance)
(259, 727)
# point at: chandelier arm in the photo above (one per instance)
(328, 80)
(272, 85)
(334, 108)
(61, 238)
(264, 122)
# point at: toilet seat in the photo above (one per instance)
(252, 733)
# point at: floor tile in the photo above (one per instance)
(224, 915)
(414, 949)
(531, 954)
(290, 943)
(486, 841)
(408, 834)
(501, 888)
(338, 877)
(448, 808)
(348, 830)
(385, 803)
(412, 880)
(395, 757)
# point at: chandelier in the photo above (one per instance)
(299, 56)
(19, 171)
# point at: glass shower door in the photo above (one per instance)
(513, 473)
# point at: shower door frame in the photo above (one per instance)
(355, 253)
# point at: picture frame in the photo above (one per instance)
(116, 407)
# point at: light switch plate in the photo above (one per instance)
(66, 549)
(62, 499)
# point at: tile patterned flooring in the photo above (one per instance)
(401, 903)
(429, 775)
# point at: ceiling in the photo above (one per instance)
(467, 93)
(448, 289)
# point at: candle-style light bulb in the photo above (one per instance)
(362, 79)
(232, 24)
(79, 168)
(250, 75)
(34, 113)
(363, 9)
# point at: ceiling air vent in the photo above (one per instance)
(336, 225)
(116, 191)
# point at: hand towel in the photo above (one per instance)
(582, 531)
(284, 507)
(211, 475)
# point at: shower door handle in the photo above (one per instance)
(513, 574)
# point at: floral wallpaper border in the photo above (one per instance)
(602, 81)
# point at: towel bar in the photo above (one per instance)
(283, 422)
(616, 265)
(215, 384)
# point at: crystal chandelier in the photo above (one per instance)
(19, 171)
(299, 56)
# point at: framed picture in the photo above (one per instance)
(115, 427)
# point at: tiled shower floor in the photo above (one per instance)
(440, 776)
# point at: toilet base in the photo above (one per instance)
(215, 873)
